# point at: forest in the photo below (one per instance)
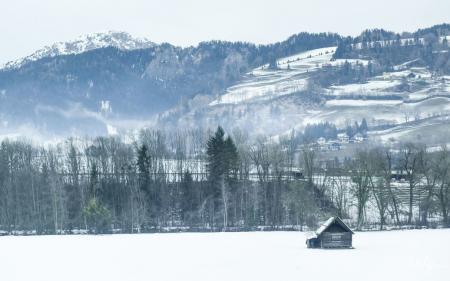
(428, 47)
(215, 181)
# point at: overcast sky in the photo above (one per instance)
(27, 25)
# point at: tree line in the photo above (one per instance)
(427, 48)
(213, 181)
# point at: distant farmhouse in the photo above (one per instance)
(321, 141)
(358, 138)
(339, 142)
(343, 138)
(334, 233)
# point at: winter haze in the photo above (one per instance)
(224, 140)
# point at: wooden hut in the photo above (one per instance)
(334, 233)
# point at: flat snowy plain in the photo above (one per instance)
(390, 255)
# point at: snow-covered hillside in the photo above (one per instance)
(383, 99)
(204, 86)
(392, 255)
(120, 40)
(274, 101)
(291, 76)
(265, 83)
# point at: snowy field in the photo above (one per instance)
(395, 255)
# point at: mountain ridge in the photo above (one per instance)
(118, 39)
(164, 82)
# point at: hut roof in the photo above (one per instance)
(329, 222)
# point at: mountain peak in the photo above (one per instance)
(120, 40)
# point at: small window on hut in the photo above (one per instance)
(336, 236)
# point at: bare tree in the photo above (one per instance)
(431, 168)
(308, 160)
(410, 156)
(442, 169)
(339, 188)
(379, 183)
(360, 188)
(385, 164)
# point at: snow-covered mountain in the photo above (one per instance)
(399, 83)
(120, 40)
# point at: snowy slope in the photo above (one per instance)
(120, 40)
(273, 102)
(393, 255)
(263, 83)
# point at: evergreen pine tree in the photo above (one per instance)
(188, 197)
(144, 180)
(143, 165)
(222, 165)
(363, 127)
(230, 158)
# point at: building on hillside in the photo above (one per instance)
(334, 146)
(334, 233)
(321, 141)
(343, 138)
(399, 176)
(358, 138)
(298, 175)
